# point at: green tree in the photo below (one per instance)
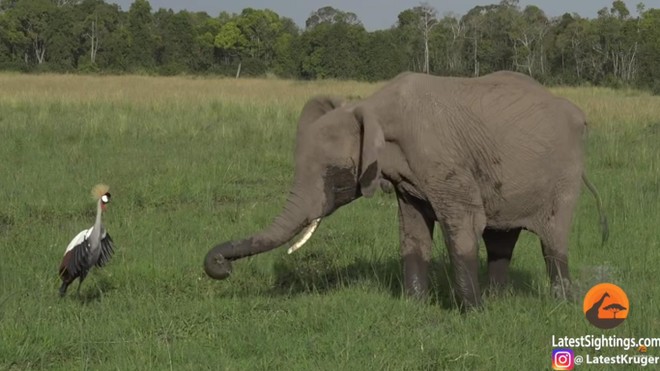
(451, 38)
(476, 22)
(99, 21)
(205, 29)
(141, 38)
(14, 43)
(34, 18)
(63, 35)
(175, 41)
(332, 50)
(330, 15)
(620, 36)
(417, 24)
(285, 54)
(614, 48)
(649, 53)
(573, 38)
(260, 40)
(528, 33)
(382, 55)
(260, 28)
(407, 27)
(231, 42)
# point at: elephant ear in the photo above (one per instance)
(373, 141)
(318, 106)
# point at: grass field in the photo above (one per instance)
(194, 162)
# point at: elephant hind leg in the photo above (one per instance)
(554, 235)
(556, 262)
(499, 245)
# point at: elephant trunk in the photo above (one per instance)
(291, 221)
(284, 228)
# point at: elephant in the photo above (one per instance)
(483, 157)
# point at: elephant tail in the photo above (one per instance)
(599, 205)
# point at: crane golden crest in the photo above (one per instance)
(99, 190)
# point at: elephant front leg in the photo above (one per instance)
(416, 224)
(461, 233)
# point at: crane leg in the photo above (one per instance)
(63, 288)
(82, 278)
(100, 291)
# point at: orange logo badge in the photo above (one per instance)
(606, 306)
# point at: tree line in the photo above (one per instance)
(613, 49)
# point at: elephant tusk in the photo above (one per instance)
(307, 234)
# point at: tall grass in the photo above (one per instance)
(192, 162)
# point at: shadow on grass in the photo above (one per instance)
(90, 291)
(318, 273)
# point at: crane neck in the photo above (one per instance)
(96, 229)
(97, 222)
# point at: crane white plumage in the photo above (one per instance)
(91, 247)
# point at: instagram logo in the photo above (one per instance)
(562, 359)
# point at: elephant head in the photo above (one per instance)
(336, 161)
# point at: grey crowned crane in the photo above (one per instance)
(90, 247)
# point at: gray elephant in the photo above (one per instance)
(484, 157)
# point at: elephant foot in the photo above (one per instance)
(474, 305)
(469, 298)
(561, 290)
(416, 288)
(215, 264)
(495, 289)
(416, 277)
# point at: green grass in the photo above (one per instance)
(188, 170)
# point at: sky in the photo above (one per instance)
(376, 14)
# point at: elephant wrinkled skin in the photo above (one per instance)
(483, 157)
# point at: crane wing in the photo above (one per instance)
(76, 255)
(107, 249)
(80, 237)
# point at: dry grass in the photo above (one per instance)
(603, 106)
(183, 91)
(612, 109)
